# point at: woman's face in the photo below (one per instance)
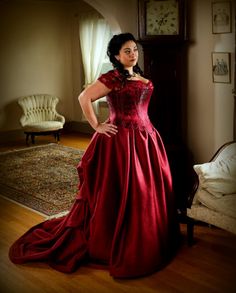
(128, 54)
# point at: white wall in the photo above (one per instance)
(210, 105)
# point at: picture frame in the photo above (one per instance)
(221, 17)
(221, 69)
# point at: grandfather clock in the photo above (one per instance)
(162, 34)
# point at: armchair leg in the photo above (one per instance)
(190, 231)
(27, 138)
(32, 135)
(57, 135)
(32, 139)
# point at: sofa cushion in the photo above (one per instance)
(218, 177)
(202, 213)
(225, 204)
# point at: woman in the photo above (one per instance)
(124, 216)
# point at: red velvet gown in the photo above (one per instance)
(124, 216)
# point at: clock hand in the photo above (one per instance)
(163, 18)
(167, 14)
(161, 21)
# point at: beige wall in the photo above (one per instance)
(120, 14)
(210, 105)
(35, 56)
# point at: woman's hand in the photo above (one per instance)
(107, 128)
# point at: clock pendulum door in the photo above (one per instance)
(166, 66)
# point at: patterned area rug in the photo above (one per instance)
(42, 178)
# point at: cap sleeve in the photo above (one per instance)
(110, 79)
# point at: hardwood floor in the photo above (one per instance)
(76, 140)
(208, 266)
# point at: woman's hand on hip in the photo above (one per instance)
(107, 128)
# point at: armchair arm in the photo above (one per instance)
(23, 120)
(60, 118)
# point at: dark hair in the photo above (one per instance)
(113, 49)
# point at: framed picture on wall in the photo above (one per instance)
(221, 17)
(221, 67)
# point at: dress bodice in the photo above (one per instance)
(128, 100)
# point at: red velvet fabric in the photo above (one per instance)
(124, 217)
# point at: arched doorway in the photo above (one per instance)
(99, 6)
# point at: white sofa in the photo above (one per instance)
(40, 116)
(214, 198)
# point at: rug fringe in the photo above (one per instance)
(62, 214)
(28, 148)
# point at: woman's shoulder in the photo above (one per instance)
(114, 73)
(110, 78)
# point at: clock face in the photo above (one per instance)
(162, 17)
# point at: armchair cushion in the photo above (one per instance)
(43, 126)
(225, 204)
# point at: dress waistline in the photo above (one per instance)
(134, 124)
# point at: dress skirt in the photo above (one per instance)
(124, 217)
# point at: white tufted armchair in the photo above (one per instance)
(40, 116)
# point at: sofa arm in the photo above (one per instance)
(194, 189)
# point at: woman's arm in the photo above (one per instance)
(92, 93)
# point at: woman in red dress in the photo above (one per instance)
(124, 217)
